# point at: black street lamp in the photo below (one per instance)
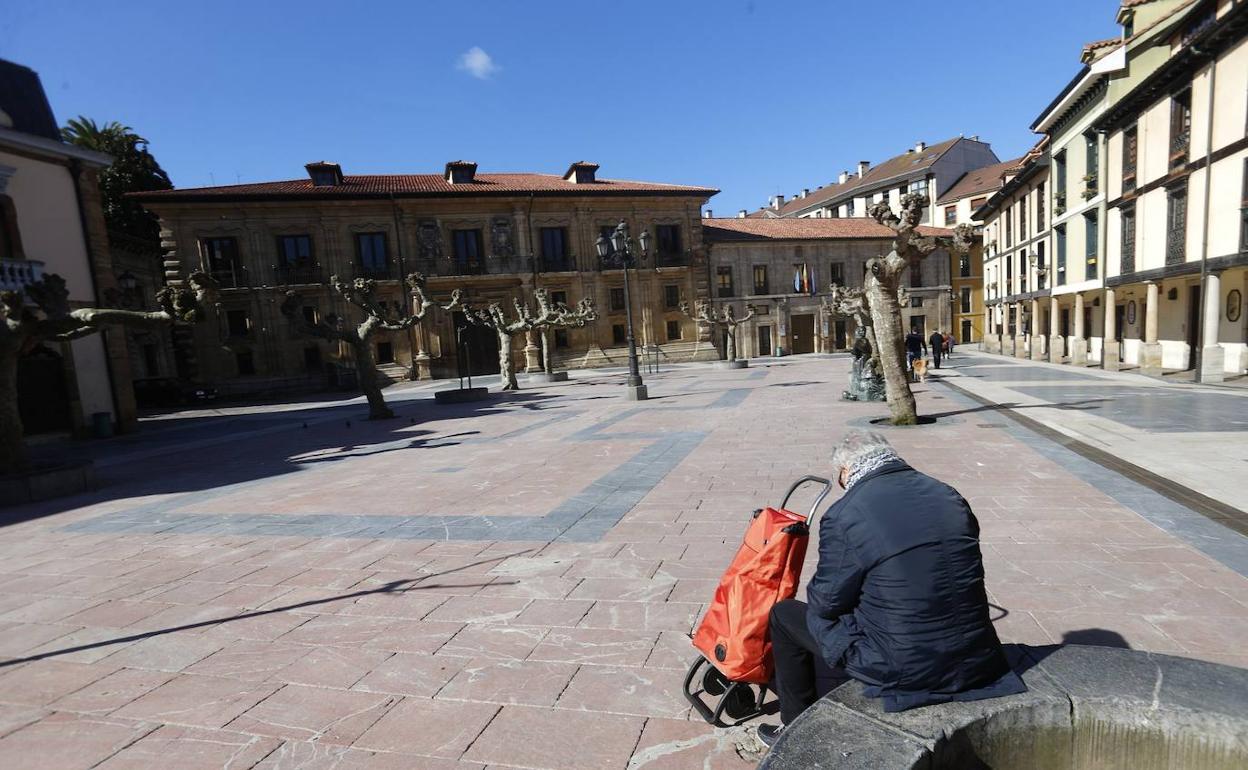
(620, 251)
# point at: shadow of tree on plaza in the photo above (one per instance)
(232, 450)
(392, 588)
(1078, 406)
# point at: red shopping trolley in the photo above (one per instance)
(733, 636)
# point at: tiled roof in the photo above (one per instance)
(979, 180)
(1098, 48)
(423, 185)
(895, 166)
(789, 228)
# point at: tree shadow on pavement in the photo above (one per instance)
(1078, 406)
(393, 587)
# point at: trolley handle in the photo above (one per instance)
(827, 488)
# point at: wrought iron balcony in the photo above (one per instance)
(672, 259)
(386, 272)
(232, 277)
(1179, 145)
(17, 274)
(564, 264)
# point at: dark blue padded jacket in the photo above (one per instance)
(898, 597)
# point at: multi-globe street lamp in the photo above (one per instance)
(622, 252)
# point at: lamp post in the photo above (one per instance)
(622, 252)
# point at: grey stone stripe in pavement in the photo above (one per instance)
(584, 517)
(1215, 540)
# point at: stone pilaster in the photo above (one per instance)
(1111, 348)
(1037, 338)
(1150, 351)
(1212, 356)
(1057, 346)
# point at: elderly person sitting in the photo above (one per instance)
(897, 600)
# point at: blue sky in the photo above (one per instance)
(752, 97)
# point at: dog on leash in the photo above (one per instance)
(920, 369)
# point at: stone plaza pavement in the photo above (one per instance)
(511, 583)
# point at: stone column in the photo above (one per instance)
(991, 342)
(421, 359)
(1037, 338)
(1078, 343)
(1212, 356)
(1110, 346)
(1057, 346)
(1150, 351)
(1020, 332)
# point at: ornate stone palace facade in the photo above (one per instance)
(498, 237)
(785, 266)
(1123, 241)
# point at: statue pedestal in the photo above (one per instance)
(536, 377)
(1212, 361)
(423, 371)
(1150, 359)
(635, 393)
(740, 363)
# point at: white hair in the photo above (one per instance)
(860, 448)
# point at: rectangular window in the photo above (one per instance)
(1009, 227)
(554, 248)
(558, 298)
(293, 249)
(1127, 260)
(964, 265)
(977, 202)
(617, 300)
(836, 273)
(221, 260)
(1059, 183)
(951, 215)
(1091, 243)
(1022, 219)
(723, 281)
(237, 323)
(1180, 127)
(673, 330)
(671, 296)
(1176, 225)
(667, 240)
(619, 335)
(1060, 234)
(916, 302)
(760, 280)
(916, 275)
(466, 248)
(1040, 203)
(371, 256)
(1130, 156)
(1091, 164)
(245, 362)
(1040, 265)
(385, 353)
(561, 338)
(966, 300)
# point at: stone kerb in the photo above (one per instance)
(1086, 707)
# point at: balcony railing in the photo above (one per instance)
(17, 274)
(1179, 145)
(232, 277)
(564, 264)
(672, 259)
(298, 273)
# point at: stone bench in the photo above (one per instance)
(1086, 707)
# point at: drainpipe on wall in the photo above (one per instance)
(1205, 299)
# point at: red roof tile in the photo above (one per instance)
(806, 228)
(979, 180)
(424, 185)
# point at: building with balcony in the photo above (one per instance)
(1144, 178)
(784, 268)
(51, 221)
(494, 236)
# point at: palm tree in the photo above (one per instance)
(134, 169)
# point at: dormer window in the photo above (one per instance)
(461, 172)
(324, 174)
(581, 172)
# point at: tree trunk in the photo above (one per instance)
(881, 286)
(12, 447)
(548, 366)
(506, 373)
(732, 342)
(366, 371)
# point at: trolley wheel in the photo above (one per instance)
(714, 682)
(740, 703)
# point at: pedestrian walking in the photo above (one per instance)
(937, 341)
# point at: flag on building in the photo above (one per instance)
(802, 283)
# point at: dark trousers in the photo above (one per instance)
(802, 675)
(936, 358)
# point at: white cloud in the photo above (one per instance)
(477, 63)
